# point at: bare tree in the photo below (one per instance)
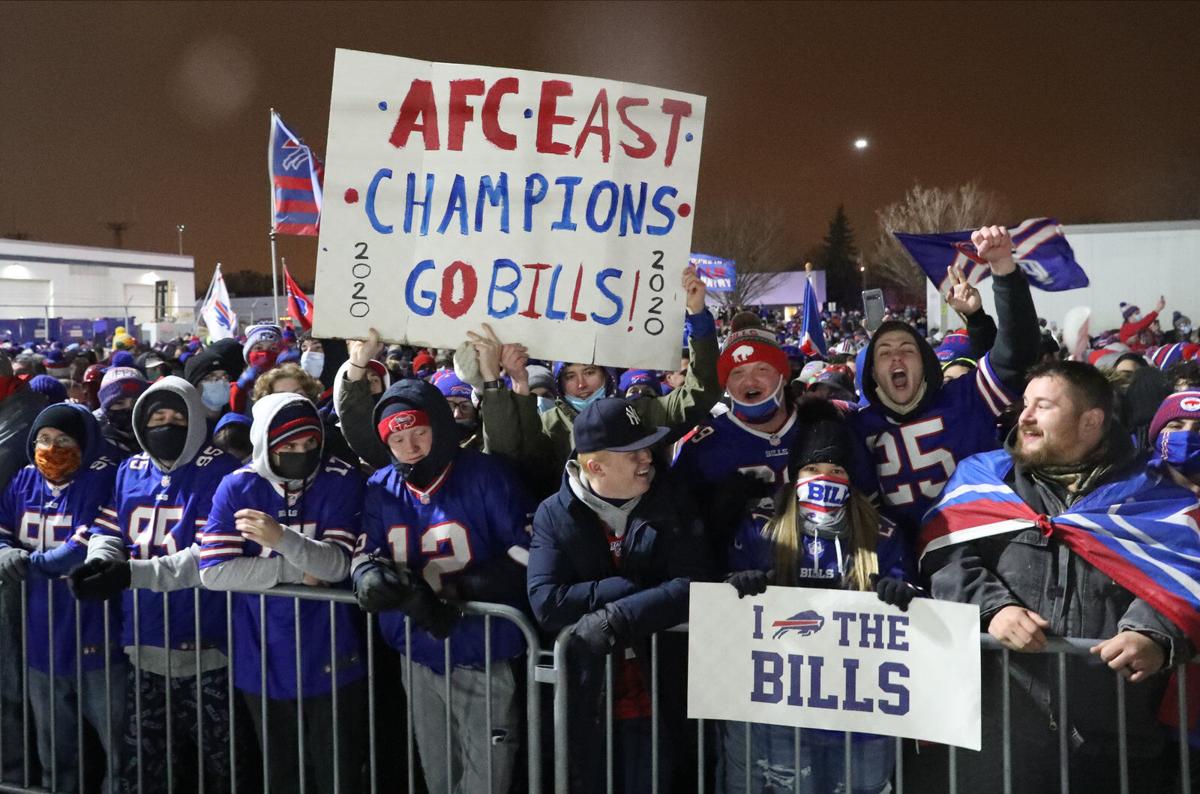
(925, 210)
(753, 238)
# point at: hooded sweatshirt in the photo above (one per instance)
(156, 517)
(53, 522)
(320, 519)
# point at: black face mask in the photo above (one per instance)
(295, 465)
(166, 442)
(122, 420)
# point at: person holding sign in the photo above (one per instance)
(513, 428)
(613, 553)
(1064, 533)
(824, 533)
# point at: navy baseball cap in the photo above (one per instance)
(613, 424)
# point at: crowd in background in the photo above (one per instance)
(588, 497)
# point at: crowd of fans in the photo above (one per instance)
(143, 480)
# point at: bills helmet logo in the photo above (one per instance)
(804, 623)
(1190, 404)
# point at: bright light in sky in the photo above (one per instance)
(861, 144)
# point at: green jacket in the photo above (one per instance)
(539, 445)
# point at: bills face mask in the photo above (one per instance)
(822, 500)
(761, 411)
(1180, 449)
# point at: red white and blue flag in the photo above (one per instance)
(1040, 248)
(217, 311)
(299, 306)
(296, 177)
(1142, 531)
(812, 333)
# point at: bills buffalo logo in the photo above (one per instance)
(742, 353)
(804, 623)
(402, 421)
(1190, 404)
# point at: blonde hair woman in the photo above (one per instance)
(823, 533)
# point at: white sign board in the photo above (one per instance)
(838, 660)
(558, 209)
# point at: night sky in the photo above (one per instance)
(157, 114)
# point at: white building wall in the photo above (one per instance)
(84, 282)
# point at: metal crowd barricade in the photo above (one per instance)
(557, 675)
(27, 749)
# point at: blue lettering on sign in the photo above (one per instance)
(497, 196)
(552, 313)
(410, 201)
(536, 187)
(618, 304)
(372, 192)
(886, 671)
(509, 289)
(768, 684)
(424, 309)
(457, 205)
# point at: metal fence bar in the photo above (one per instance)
(654, 713)
(264, 730)
(53, 770)
(167, 718)
(487, 694)
(561, 685)
(25, 680)
(609, 763)
(300, 698)
(899, 775)
(449, 718)
(700, 756)
(137, 686)
(847, 760)
(78, 692)
(1064, 769)
(1185, 777)
(110, 767)
(231, 694)
(333, 666)
(373, 761)
(1006, 709)
(199, 692)
(408, 703)
(1122, 739)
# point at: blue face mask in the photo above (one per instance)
(579, 403)
(1180, 449)
(761, 411)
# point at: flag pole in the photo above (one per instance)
(273, 234)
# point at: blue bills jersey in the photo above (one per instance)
(725, 445)
(824, 562)
(328, 510)
(156, 514)
(473, 513)
(914, 460)
(39, 518)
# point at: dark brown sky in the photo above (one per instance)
(157, 113)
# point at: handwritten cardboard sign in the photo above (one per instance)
(558, 209)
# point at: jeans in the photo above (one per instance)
(58, 749)
(822, 767)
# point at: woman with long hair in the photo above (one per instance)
(823, 532)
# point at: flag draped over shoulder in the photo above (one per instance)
(812, 334)
(296, 176)
(219, 317)
(299, 306)
(1041, 250)
(1141, 531)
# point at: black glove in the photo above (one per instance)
(748, 583)
(99, 580)
(378, 587)
(425, 609)
(600, 631)
(14, 565)
(896, 592)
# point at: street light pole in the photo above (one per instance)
(180, 229)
